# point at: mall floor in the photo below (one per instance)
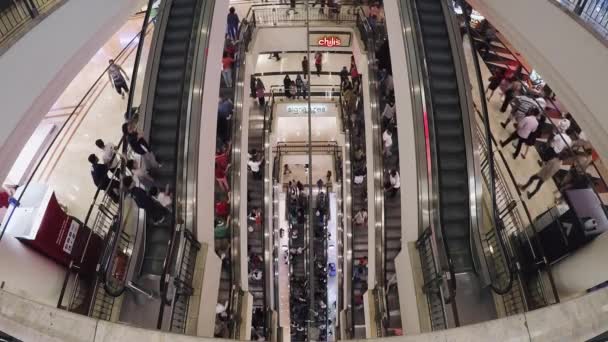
(88, 109)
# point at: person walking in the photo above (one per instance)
(299, 86)
(155, 211)
(354, 72)
(521, 106)
(117, 78)
(495, 81)
(512, 90)
(319, 62)
(108, 156)
(140, 146)
(260, 92)
(305, 67)
(525, 127)
(549, 169)
(531, 141)
(227, 69)
(232, 23)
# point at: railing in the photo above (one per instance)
(433, 279)
(593, 12)
(277, 14)
(14, 15)
(507, 243)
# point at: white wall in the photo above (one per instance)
(36, 70)
(571, 59)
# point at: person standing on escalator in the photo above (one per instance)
(227, 62)
(232, 23)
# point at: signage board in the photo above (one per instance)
(328, 39)
(302, 108)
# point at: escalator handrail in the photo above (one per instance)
(492, 185)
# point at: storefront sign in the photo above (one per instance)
(330, 39)
(302, 108)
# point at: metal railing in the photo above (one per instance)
(277, 14)
(15, 14)
(433, 280)
(594, 13)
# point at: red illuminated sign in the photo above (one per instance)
(330, 41)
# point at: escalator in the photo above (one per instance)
(445, 108)
(167, 109)
(298, 279)
(255, 190)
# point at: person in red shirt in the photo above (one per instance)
(227, 69)
(221, 178)
(221, 158)
(222, 207)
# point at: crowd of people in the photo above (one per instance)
(223, 156)
(533, 120)
(132, 171)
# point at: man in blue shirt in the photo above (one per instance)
(233, 24)
(224, 113)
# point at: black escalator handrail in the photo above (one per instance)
(488, 132)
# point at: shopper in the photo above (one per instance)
(512, 90)
(153, 209)
(222, 207)
(292, 7)
(394, 183)
(388, 114)
(140, 146)
(344, 75)
(254, 166)
(525, 127)
(252, 83)
(227, 69)
(495, 80)
(360, 217)
(521, 106)
(225, 108)
(319, 62)
(117, 78)
(328, 177)
(305, 67)
(165, 198)
(531, 141)
(287, 86)
(387, 138)
(548, 170)
(221, 177)
(232, 23)
(99, 173)
(260, 92)
(299, 86)
(221, 228)
(293, 89)
(108, 155)
(140, 174)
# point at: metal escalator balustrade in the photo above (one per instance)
(449, 133)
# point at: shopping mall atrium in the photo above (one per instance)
(303, 170)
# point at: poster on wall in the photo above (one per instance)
(329, 39)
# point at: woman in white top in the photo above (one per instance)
(388, 142)
(361, 217)
(394, 183)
